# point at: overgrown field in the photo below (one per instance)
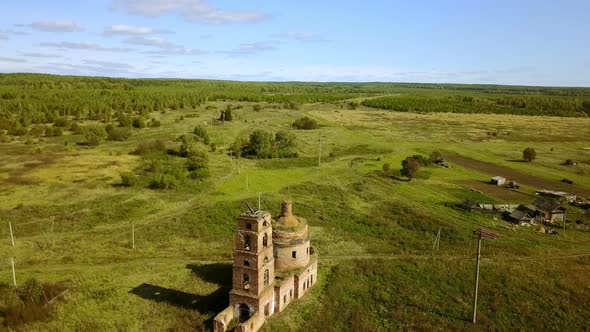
(72, 212)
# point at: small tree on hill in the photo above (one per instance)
(410, 167)
(529, 154)
(95, 134)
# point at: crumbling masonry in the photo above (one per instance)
(274, 264)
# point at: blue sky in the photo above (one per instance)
(501, 42)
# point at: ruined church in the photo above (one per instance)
(274, 264)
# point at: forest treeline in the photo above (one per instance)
(27, 99)
(499, 104)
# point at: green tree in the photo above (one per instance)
(410, 167)
(529, 154)
(95, 134)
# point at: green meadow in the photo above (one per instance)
(72, 218)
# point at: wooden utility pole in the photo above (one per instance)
(13, 271)
(11, 235)
(481, 233)
(133, 236)
(436, 243)
(320, 153)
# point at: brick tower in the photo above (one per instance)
(252, 295)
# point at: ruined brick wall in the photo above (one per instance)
(284, 252)
(306, 279)
(284, 293)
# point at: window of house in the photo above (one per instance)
(266, 277)
(307, 250)
(265, 260)
(247, 240)
(311, 276)
(294, 254)
(248, 226)
(265, 223)
(246, 281)
(265, 240)
(285, 298)
(246, 263)
(267, 309)
(291, 293)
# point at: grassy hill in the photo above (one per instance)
(72, 218)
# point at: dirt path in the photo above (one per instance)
(522, 178)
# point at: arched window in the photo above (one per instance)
(265, 260)
(266, 277)
(246, 281)
(265, 240)
(247, 240)
(265, 223)
(246, 263)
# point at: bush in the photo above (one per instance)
(410, 167)
(76, 128)
(119, 134)
(386, 168)
(263, 144)
(53, 131)
(62, 122)
(197, 159)
(138, 122)
(529, 154)
(124, 119)
(436, 156)
(19, 131)
(128, 179)
(163, 181)
(109, 127)
(256, 108)
(305, 123)
(228, 115)
(95, 134)
(149, 147)
(155, 123)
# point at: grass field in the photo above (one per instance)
(72, 223)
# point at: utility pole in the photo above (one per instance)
(11, 234)
(320, 153)
(481, 233)
(133, 236)
(13, 271)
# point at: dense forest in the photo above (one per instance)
(27, 99)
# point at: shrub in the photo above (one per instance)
(95, 134)
(228, 115)
(18, 131)
(386, 168)
(436, 156)
(138, 122)
(61, 122)
(423, 160)
(529, 154)
(128, 179)
(197, 159)
(163, 181)
(124, 119)
(76, 128)
(149, 147)
(119, 134)
(155, 123)
(53, 131)
(410, 167)
(109, 127)
(256, 108)
(305, 123)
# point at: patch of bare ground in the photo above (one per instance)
(522, 178)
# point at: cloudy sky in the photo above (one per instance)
(532, 42)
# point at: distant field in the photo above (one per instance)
(72, 217)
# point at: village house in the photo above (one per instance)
(557, 195)
(498, 180)
(274, 264)
(541, 210)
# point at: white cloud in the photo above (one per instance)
(56, 26)
(40, 55)
(249, 49)
(6, 59)
(127, 30)
(301, 36)
(108, 64)
(84, 47)
(191, 10)
(165, 47)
